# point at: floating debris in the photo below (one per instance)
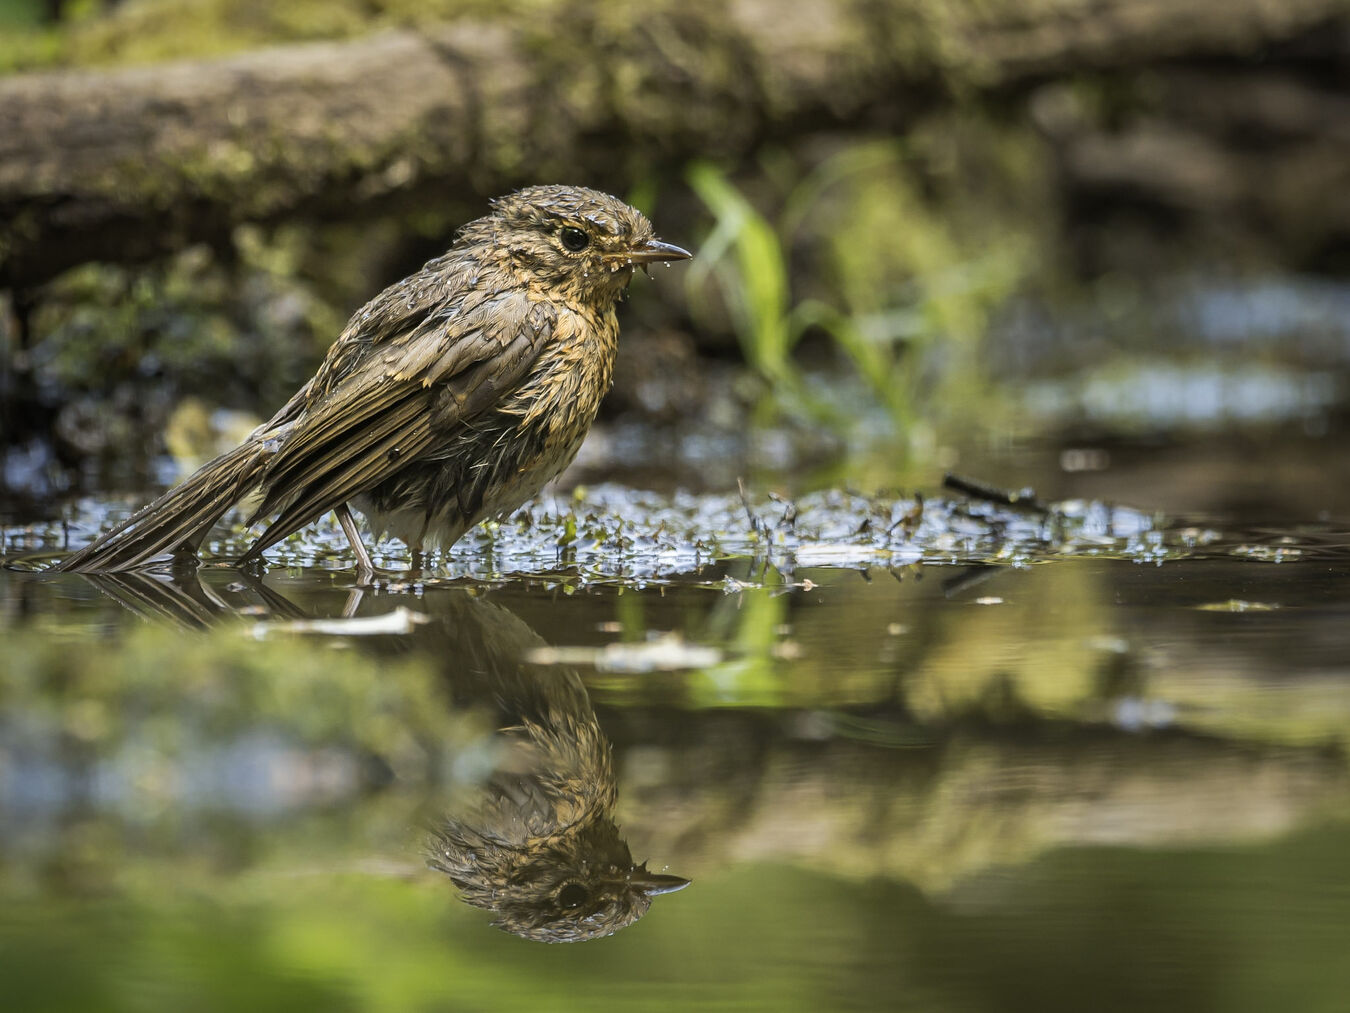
(668, 653)
(1237, 605)
(399, 622)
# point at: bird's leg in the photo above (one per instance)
(353, 602)
(365, 570)
(418, 557)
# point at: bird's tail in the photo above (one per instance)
(178, 520)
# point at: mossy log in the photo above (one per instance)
(128, 163)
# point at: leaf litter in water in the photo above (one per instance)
(618, 535)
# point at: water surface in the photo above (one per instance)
(966, 759)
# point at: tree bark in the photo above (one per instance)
(130, 163)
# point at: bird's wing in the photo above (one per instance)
(378, 405)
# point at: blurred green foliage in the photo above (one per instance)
(165, 694)
(191, 318)
(20, 14)
(116, 348)
(92, 32)
(758, 295)
(1243, 929)
(896, 250)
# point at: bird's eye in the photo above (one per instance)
(573, 895)
(574, 239)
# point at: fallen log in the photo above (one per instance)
(129, 163)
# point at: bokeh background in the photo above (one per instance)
(928, 229)
(1094, 247)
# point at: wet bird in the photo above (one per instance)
(538, 846)
(451, 397)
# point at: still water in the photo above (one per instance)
(1095, 764)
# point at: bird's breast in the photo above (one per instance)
(562, 392)
(553, 408)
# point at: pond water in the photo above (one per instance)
(968, 757)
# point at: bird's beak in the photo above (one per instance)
(654, 885)
(653, 251)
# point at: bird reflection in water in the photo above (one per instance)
(535, 842)
(539, 847)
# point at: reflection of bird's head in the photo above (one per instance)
(579, 884)
(538, 844)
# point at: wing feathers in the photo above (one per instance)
(401, 403)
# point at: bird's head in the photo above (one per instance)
(577, 243)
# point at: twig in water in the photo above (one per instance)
(1023, 499)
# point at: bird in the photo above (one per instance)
(451, 397)
(537, 844)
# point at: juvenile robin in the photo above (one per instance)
(452, 396)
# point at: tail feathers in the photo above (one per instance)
(179, 519)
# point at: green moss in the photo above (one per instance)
(150, 31)
(932, 34)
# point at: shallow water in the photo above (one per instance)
(968, 758)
